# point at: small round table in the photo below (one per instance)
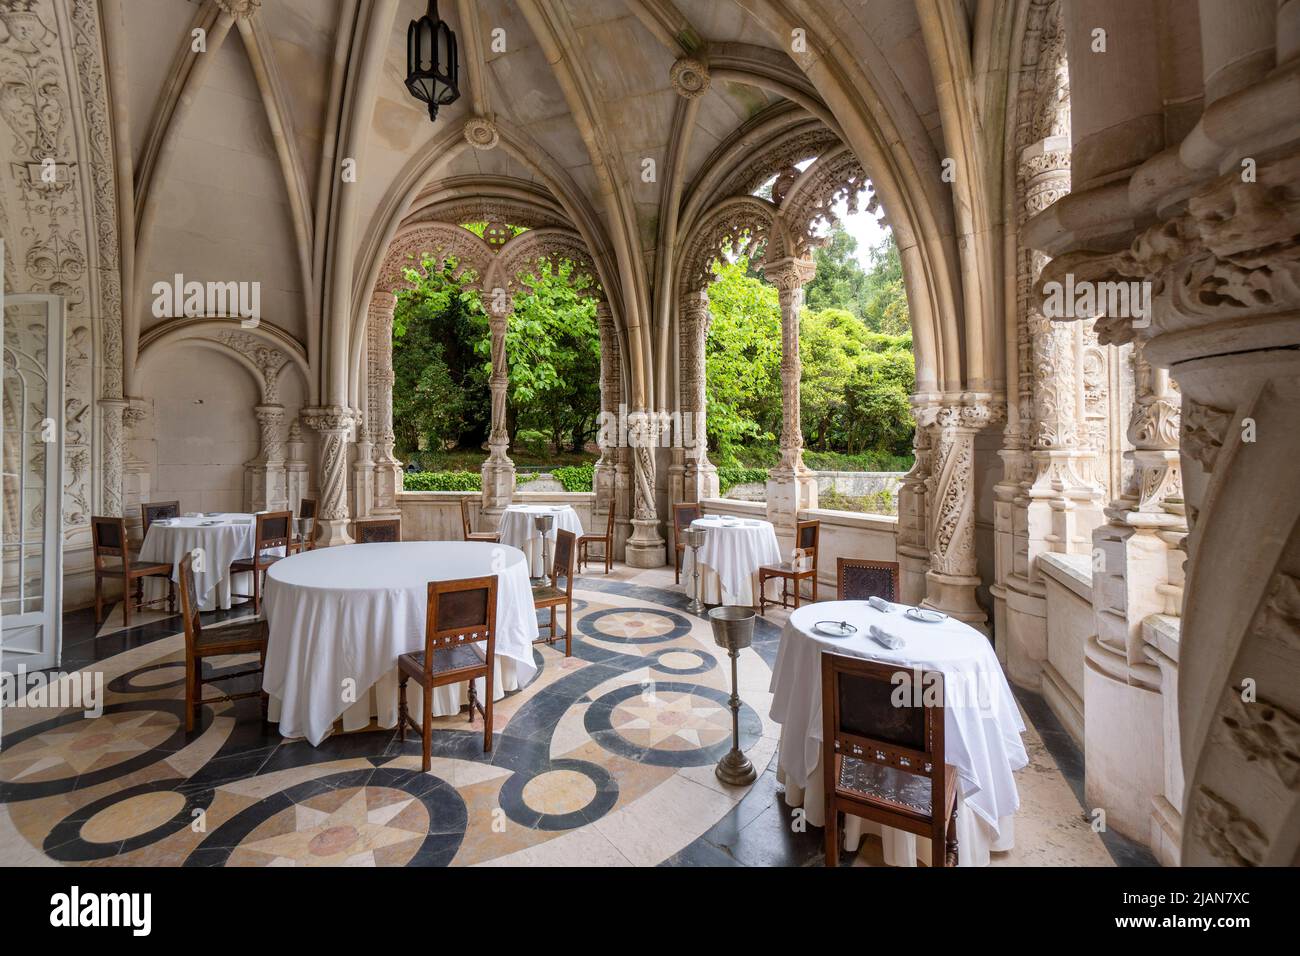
(982, 725)
(519, 530)
(220, 540)
(340, 617)
(733, 550)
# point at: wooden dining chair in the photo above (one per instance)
(807, 538)
(554, 596)
(683, 515)
(606, 539)
(274, 530)
(304, 538)
(883, 759)
(460, 614)
(114, 560)
(377, 530)
(239, 637)
(493, 536)
(857, 579)
(153, 510)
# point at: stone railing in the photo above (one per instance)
(852, 484)
(1070, 622)
(435, 515)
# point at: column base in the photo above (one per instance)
(954, 594)
(645, 549)
(331, 532)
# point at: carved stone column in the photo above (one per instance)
(387, 470)
(363, 474)
(137, 475)
(264, 484)
(111, 410)
(498, 470)
(791, 488)
(334, 424)
(700, 479)
(296, 477)
(645, 548)
(913, 527)
(950, 507)
(605, 479)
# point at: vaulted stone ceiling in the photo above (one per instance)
(236, 152)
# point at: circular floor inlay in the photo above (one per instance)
(559, 791)
(132, 817)
(634, 626)
(680, 660)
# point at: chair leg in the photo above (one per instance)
(266, 698)
(257, 591)
(609, 555)
(126, 603)
(814, 580)
(952, 837)
(677, 560)
(171, 602)
(568, 628)
(99, 600)
(938, 850)
(193, 686)
(832, 837)
(762, 596)
(401, 707)
(426, 730)
(798, 592)
(487, 711)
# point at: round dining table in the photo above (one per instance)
(340, 617)
(519, 530)
(982, 725)
(730, 557)
(215, 540)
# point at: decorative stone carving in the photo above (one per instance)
(334, 423)
(1265, 732)
(240, 9)
(481, 133)
(645, 549)
(690, 77)
(264, 475)
(269, 361)
(1233, 839)
(700, 477)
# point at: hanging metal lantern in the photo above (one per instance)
(432, 64)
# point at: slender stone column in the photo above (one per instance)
(111, 411)
(387, 470)
(334, 424)
(700, 479)
(950, 507)
(605, 479)
(264, 482)
(363, 474)
(791, 488)
(646, 548)
(296, 474)
(498, 470)
(913, 525)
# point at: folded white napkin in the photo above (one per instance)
(194, 514)
(880, 604)
(241, 520)
(883, 639)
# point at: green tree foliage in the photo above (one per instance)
(442, 359)
(876, 296)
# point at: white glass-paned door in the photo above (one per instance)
(31, 589)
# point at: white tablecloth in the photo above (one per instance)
(982, 726)
(230, 539)
(519, 530)
(730, 557)
(340, 617)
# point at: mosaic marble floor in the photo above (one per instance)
(605, 759)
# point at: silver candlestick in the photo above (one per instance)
(695, 540)
(544, 524)
(733, 629)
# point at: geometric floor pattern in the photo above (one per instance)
(605, 758)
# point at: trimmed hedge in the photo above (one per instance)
(442, 481)
(730, 476)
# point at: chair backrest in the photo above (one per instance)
(459, 612)
(108, 539)
(307, 509)
(565, 550)
(273, 529)
(807, 534)
(464, 517)
(190, 603)
(683, 515)
(857, 579)
(153, 510)
(375, 530)
(883, 713)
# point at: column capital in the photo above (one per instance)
(329, 418)
(789, 274)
